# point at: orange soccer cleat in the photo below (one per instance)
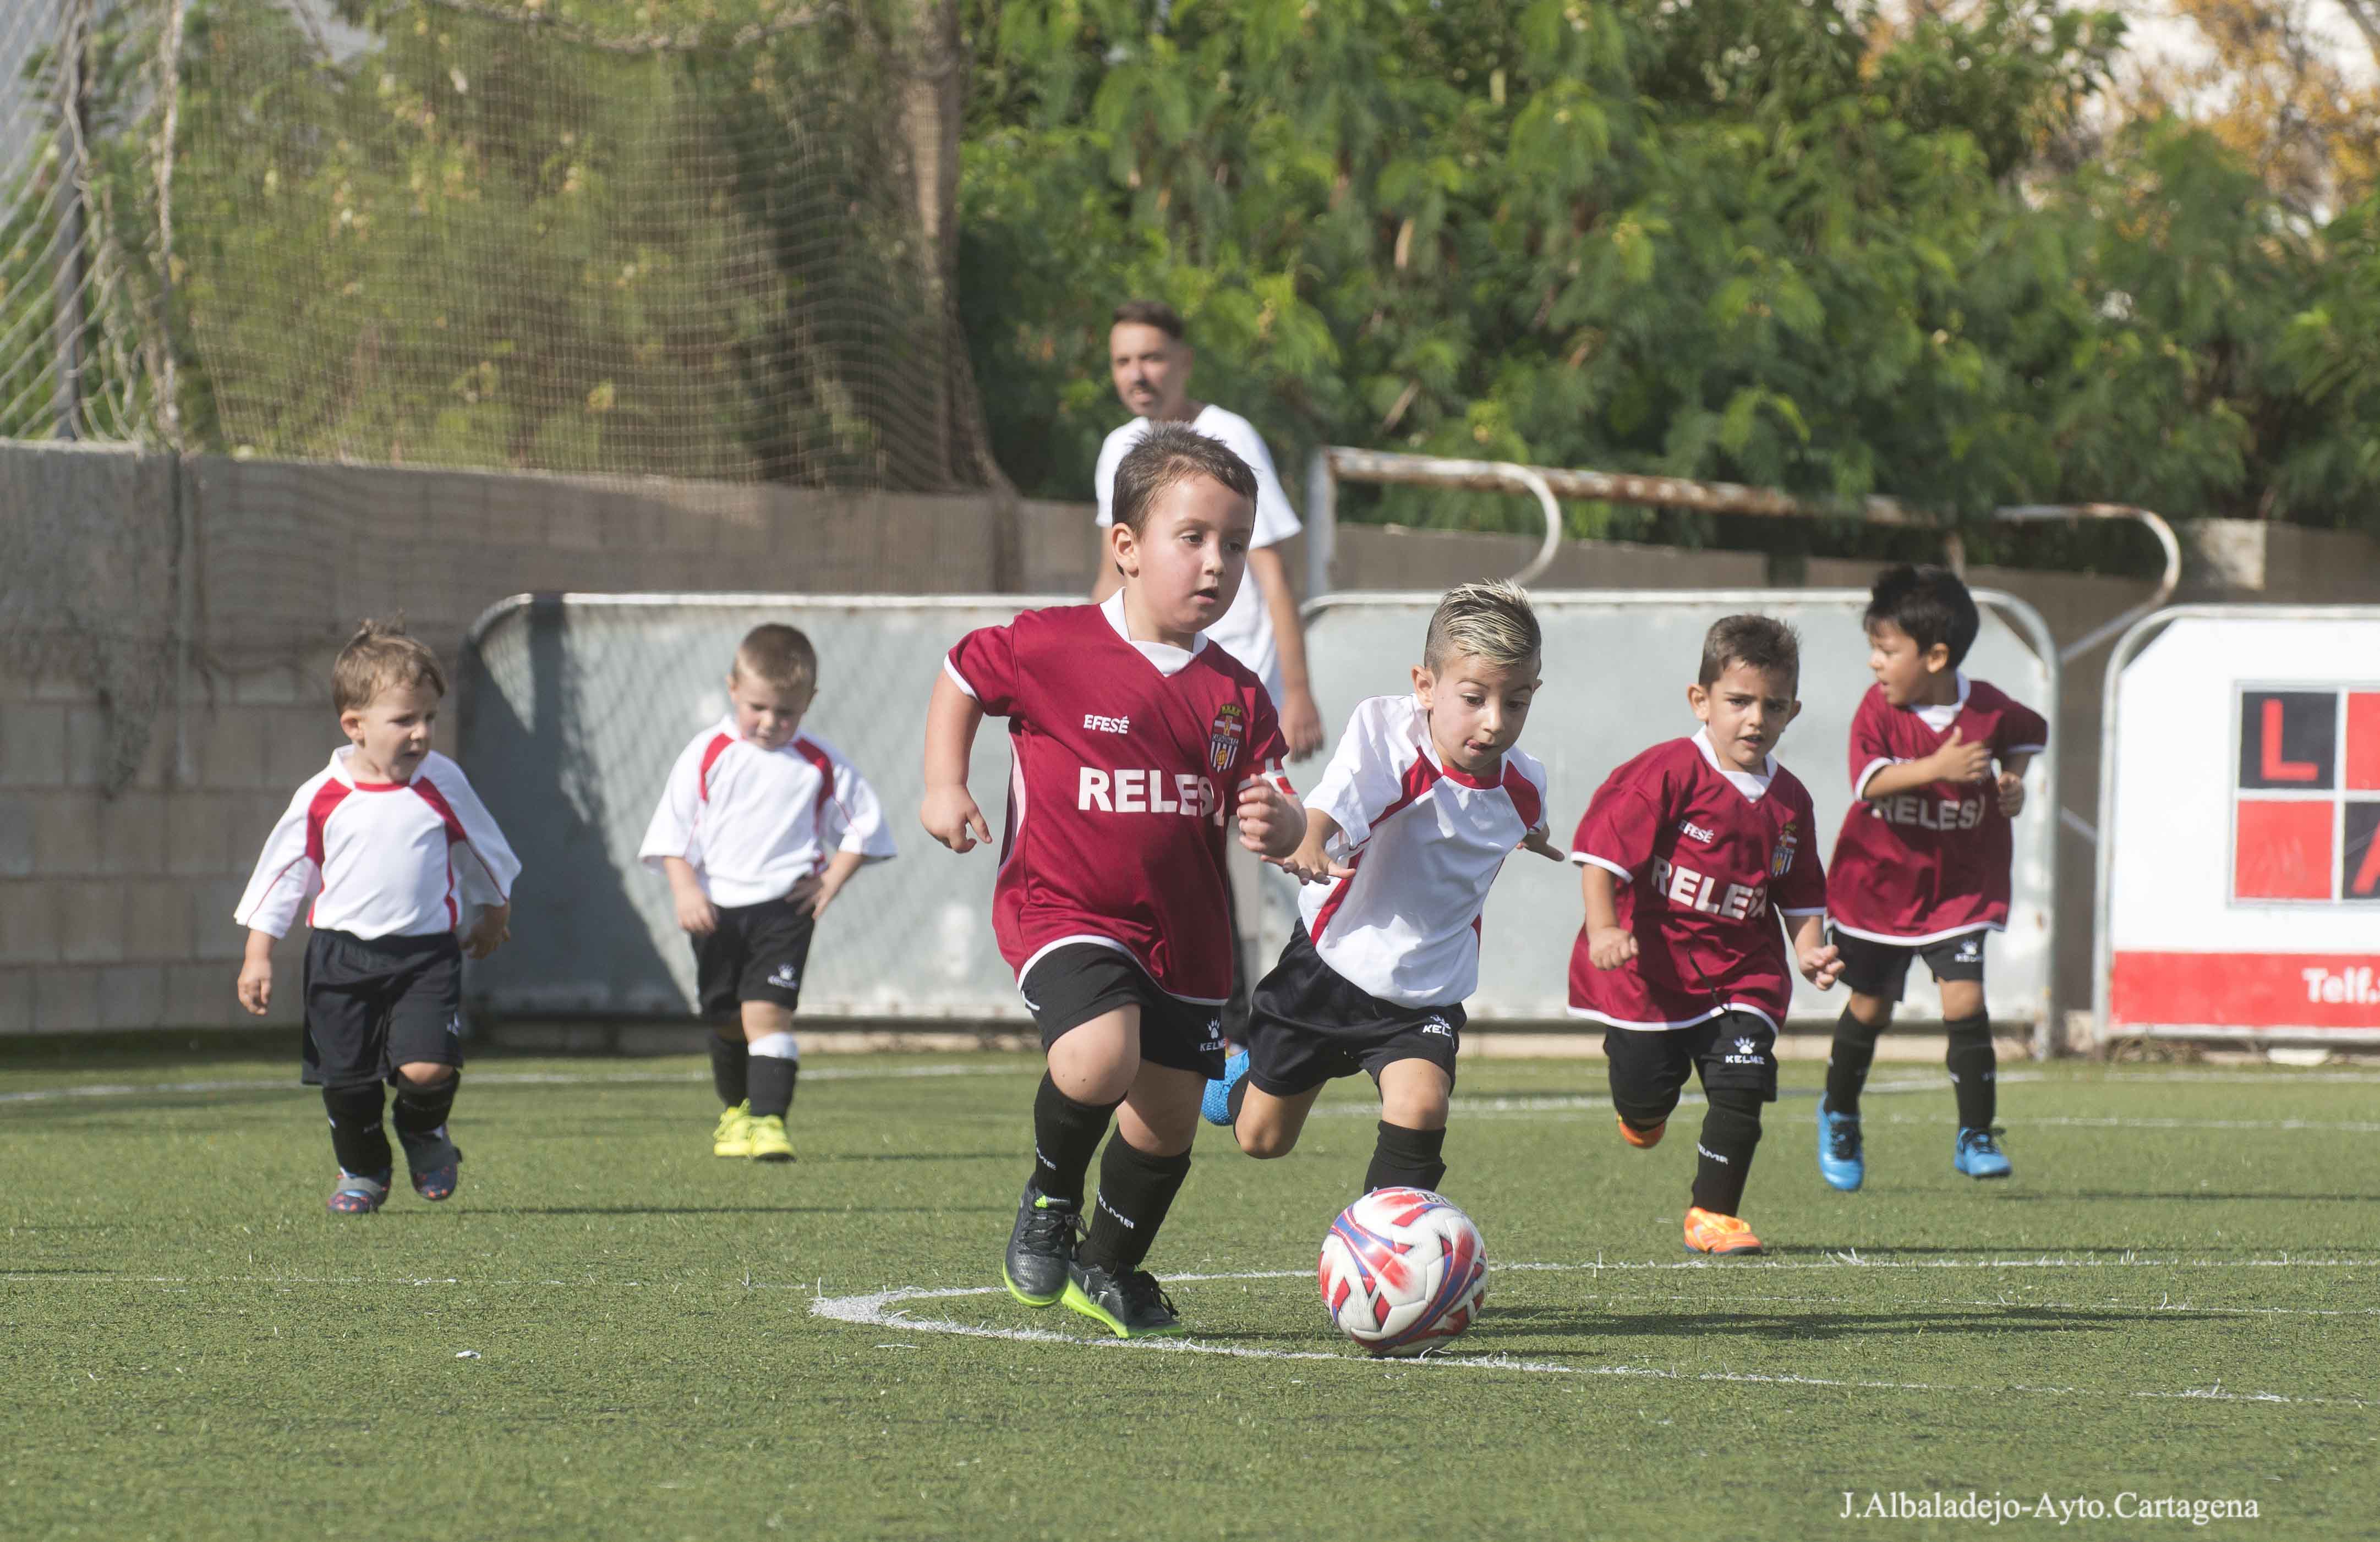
(1718, 1235)
(1644, 1140)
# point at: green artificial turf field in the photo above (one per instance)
(610, 1333)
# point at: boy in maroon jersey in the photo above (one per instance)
(1684, 853)
(1921, 869)
(1134, 739)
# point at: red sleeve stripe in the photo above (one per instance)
(1525, 799)
(318, 815)
(825, 766)
(710, 753)
(1419, 776)
(455, 837)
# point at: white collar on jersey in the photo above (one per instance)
(1751, 784)
(345, 772)
(1169, 659)
(1941, 715)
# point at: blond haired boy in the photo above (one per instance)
(393, 848)
(1426, 796)
(759, 827)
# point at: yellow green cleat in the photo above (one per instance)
(733, 1135)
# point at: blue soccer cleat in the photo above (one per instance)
(1216, 1107)
(1842, 1162)
(1978, 1154)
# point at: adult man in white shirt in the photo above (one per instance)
(1151, 364)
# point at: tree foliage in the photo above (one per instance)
(1759, 241)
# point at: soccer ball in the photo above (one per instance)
(1403, 1270)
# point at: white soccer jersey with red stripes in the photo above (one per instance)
(1425, 841)
(380, 858)
(753, 822)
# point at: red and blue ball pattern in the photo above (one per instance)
(1403, 1270)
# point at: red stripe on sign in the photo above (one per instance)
(2245, 990)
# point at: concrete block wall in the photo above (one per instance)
(115, 911)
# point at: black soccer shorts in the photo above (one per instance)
(1650, 1066)
(756, 953)
(375, 1003)
(1069, 986)
(1881, 969)
(1308, 1024)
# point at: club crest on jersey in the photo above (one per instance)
(1225, 735)
(1781, 861)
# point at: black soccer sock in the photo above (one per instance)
(770, 1073)
(357, 1135)
(1135, 1190)
(1406, 1158)
(728, 1061)
(1064, 1135)
(419, 1111)
(1974, 1071)
(1723, 1150)
(1847, 1063)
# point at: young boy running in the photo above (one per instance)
(1133, 738)
(1921, 869)
(1410, 824)
(392, 845)
(1685, 852)
(759, 827)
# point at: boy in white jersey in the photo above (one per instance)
(1408, 827)
(759, 827)
(391, 847)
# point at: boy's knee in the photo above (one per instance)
(1871, 1012)
(425, 1076)
(1264, 1144)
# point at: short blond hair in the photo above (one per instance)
(777, 655)
(379, 656)
(1492, 622)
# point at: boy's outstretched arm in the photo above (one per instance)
(948, 812)
(1819, 960)
(1608, 945)
(1312, 862)
(1273, 823)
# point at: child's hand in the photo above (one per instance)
(696, 916)
(1310, 863)
(256, 985)
(491, 932)
(1960, 761)
(1541, 842)
(2011, 793)
(1820, 966)
(1610, 947)
(829, 886)
(950, 816)
(1271, 822)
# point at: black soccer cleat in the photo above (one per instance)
(1040, 1246)
(1130, 1304)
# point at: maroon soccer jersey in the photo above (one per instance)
(1129, 759)
(1928, 862)
(1704, 855)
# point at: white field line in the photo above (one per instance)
(2022, 1123)
(887, 1310)
(511, 1078)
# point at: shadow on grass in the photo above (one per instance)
(1534, 1321)
(714, 1210)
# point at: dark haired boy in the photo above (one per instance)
(1135, 739)
(1921, 869)
(1689, 854)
